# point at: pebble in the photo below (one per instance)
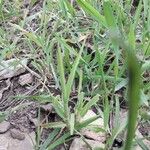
(16, 134)
(25, 79)
(47, 107)
(91, 134)
(9, 143)
(9, 70)
(4, 127)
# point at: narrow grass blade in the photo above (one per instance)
(3, 116)
(111, 22)
(73, 71)
(113, 29)
(133, 96)
(116, 132)
(32, 36)
(80, 103)
(72, 123)
(68, 47)
(86, 122)
(131, 37)
(33, 2)
(62, 7)
(59, 108)
(146, 4)
(118, 125)
(142, 144)
(50, 138)
(121, 84)
(80, 81)
(137, 14)
(70, 7)
(106, 114)
(146, 66)
(89, 104)
(92, 12)
(43, 98)
(59, 141)
(62, 74)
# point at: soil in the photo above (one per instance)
(22, 113)
(8, 101)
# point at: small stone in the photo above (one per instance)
(90, 133)
(12, 67)
(9, 143)
(16, 134)
(47, 107)
(25, 79)
(99, 122)
(96, 136)
(4, 127)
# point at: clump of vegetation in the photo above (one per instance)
(97, 50)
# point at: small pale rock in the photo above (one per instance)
(25, 79)
(99, 122)
(4, 127)
(47, 107)
(8, 143)
(16, 134)
(99, 136)
(26, 144)
(12, 67)
(89, 133)
(79, 144)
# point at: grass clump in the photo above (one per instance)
(96, 49)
